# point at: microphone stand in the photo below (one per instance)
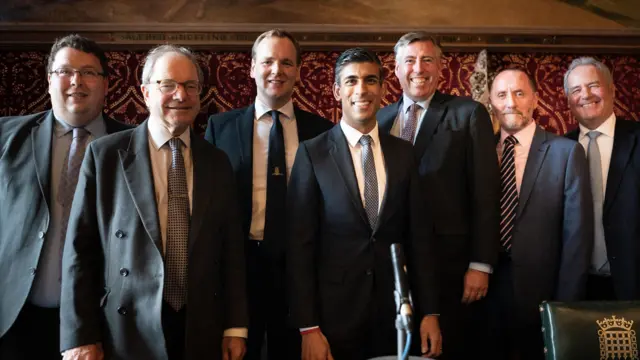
(403, 326)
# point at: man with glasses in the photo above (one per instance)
(154, 260)
(262, 151)
(39, 163)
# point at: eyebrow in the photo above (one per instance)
(589, 83)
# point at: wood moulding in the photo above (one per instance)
(230, 37)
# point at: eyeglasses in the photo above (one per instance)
(169, 87)
(88, 74)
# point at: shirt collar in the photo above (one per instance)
(406, 102)
(160, 135)
(524, 136)
(96, 127)
(353, 136)
(607, 128)
(262, 109)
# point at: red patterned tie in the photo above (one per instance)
(509, 199)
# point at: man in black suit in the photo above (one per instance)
(455, 149)
(36, 189)
(353, 192)
(613, 154)
(154, 259)
(546, 227)
(262, 151)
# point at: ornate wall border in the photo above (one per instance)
(322, 37)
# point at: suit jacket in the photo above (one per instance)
(25, 173)
(553, 233)
(621, 207)
(458, 168)
(337, 264)
(232, 132)
(113, 266)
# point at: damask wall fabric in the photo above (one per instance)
(23, 83)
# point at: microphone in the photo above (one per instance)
(402, 294)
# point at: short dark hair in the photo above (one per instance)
(280, 34)
(80, 43)
(357, 55)
(532, 81)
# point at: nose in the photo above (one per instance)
(418, 67)
(181, 93)
(76, 79)
(509, 100)
(276, 67)
(360, 88)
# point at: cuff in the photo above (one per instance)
(236, 332)
(486, 268)
(308, 330)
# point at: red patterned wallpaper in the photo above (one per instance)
(23, 85)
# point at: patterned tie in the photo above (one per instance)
(509, 199)
(175, 287)
(69, 177)
(599, 261)
(409, 129)
(276, 181)
(370, 181)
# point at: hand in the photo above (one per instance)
(85, 352)
(233, 348)
(430, 336)
(476, 284)
(315, 347)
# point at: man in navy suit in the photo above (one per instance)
(261, 141)
(613, 154)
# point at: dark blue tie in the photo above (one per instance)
(276, 181)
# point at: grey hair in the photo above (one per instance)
(157, 52)
(412, 37)
(583, 61)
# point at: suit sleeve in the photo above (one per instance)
(577, 229)
(484, 188)
(303, 207)
(209, 134)
(234, 277)
(421, 249)
(81, 318)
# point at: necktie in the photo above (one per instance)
(410, 125)
(69, 177)
(599, 261)
(276, 180)
(175, 287)
(509, 195)
(370, 181)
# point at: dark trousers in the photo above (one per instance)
(503, 332)
(34, 335)
(173, 326)
(268, 310)
(600, 288)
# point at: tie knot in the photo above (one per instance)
(593, 134)
(365, 140)
(175, 143)
(275, 115)
(79, 132)
(511, 140)
(414, 107)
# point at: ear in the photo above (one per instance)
(145, 93)
(252, 72)
(336, 91)
(397, 69)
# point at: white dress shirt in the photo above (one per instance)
(521, 149)
(605, 143)
(160, 156)
(261, 129)
(353, 137)
(402, 116)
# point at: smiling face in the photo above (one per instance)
(76, 99)
(360, 92)
(275, 70)
(590, 96)
(175, 111)
(418, 67)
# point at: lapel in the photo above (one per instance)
(391, 170)
(624, 143)
(537, 153)
(434, 116)
(136, 165)
(387, 117)
(341, 156)
(41, 150)
(244, 126)
(203, 179)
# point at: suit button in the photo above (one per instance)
(41, 234)
(124, 272)
(122, 310)
(120, 234)
(369, 272)
(32, 271)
